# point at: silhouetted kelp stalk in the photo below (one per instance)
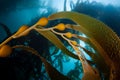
(94, 30)
(6, 29)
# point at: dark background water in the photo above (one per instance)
(15, 13)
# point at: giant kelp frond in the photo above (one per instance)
(52, 72)
(105, 41)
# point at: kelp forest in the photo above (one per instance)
(40, 42)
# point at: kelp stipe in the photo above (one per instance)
(99, 36)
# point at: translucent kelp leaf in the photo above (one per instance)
(52, 72)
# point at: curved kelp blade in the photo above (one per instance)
(56, 41)
(6, 29)
(101, 36)
(52, 72)
(5, 33)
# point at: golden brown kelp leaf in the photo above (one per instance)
(90, 73)
(56, 41)
(52, 72)
(106, 42)
(89, 76)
